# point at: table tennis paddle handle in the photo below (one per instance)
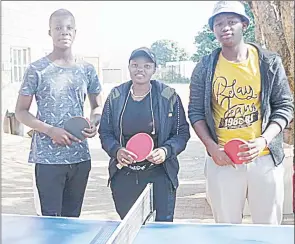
(119, 166)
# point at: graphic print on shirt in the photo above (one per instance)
(237, 101)
(60, 93)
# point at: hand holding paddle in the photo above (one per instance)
(138, 148)
(219, 156)
(79, 127)
(125, 157)
(61, 137)
(251, 149)
(157, 156)
(90, 132)
(75, 129)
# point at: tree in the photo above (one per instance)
(275, 30)
(206, 41)
(168, 51)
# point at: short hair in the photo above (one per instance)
(60, 12)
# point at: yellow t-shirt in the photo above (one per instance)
(236, 99)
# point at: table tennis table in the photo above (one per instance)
(137, 227)
(24, 229)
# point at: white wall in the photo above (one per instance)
(20, 28)
(26, 24)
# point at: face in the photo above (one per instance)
(63, 31)
(141, 70)
(228, 29)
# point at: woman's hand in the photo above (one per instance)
(157, 156)
(125, 157)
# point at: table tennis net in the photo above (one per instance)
(141, 211)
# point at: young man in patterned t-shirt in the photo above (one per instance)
(60, 85)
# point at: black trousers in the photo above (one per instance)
(61, 188)
(127, 185)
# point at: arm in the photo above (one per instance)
(106, 131)
(196, 113)
(23, 104)
(24, 101)
(95, 101)
(94, 95)
(272, 130)
(196, 109)
(202, 131)
(180, 133)
(281, 99)
(23, 115)
(109, 142)
(282, 111)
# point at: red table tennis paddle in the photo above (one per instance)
(141, 145)
(76, 125)
(232, 148)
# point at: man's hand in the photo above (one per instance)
(219, 156)
(254, 148)
(157, 156)
(61, 137)
(125, 157)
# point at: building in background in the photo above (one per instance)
(24, 40)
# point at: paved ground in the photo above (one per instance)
(17, 193)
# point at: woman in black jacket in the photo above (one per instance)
(144, 105)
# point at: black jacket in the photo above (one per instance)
(172, 134)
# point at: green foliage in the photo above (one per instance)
(249, 35)
(206, 42)
(168, 51)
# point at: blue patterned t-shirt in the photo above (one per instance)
(60, 93)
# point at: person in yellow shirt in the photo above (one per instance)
(241, 91)
(236, 98)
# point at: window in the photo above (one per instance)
(20, 59)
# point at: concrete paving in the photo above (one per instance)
(17, 186)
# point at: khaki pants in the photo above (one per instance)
(260, 182)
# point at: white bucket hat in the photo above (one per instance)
(235, 7)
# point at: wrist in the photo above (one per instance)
(95, 119)
(165, 150)
(212, 147)
(118, 150)
(265, 139)
(48, 129)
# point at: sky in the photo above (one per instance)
(112, 29)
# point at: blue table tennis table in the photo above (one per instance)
(21, 229)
